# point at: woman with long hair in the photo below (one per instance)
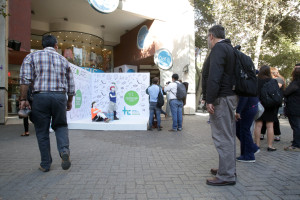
(276, 125)
(292, 99)
(269, 114)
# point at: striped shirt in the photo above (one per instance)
(49, 71)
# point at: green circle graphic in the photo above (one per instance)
(131, 98)
(78, 99)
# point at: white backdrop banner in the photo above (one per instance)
(131, 98)
(81, 106)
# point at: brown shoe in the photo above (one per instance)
(291, 148)
(218, 182)
(25, 134)
(213, 171)
(65, 161)
(43, 169)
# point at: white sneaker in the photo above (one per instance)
(246, 161)
(277, 138)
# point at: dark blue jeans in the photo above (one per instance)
(154, 109)
(45, 106)
(295, 125)
(243, 133)
(176, 109)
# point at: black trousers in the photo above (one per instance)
(26, 124)
(44, 107)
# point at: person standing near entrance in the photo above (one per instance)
(52, 79)
(221, 103)
(175, 104)
(26, 119)
(153, 92)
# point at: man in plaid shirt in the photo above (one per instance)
(52, 80)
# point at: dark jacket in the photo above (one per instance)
(205, 71)
(221, 71)
(292, 98)
(245, 103)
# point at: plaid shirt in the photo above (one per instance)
(48, 70)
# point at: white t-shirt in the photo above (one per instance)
(172, 89)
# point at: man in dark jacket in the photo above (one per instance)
(221, 103)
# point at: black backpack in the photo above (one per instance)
(181, 91)
(270, 94)
(245, 80)
(160, 98)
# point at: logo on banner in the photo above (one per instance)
(78, 99)
(163, 59)
(104, 6)
(142, 34)
(130, 112)
(131, 98)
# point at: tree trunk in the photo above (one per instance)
(199, 89)
(260, 34)
(199, 84)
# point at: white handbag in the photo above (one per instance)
(260, 111)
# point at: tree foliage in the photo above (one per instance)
(267, 30)
(3, 11)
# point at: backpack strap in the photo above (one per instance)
(159, 90)
(173, 92)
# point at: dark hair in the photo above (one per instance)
(175, 76)
(296, 74)
(298, 64)
(155, 80)
(217, 31)
(48, 41)
(93, 103)
(264, 72)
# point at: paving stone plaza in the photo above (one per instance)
(142, 165)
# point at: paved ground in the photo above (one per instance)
(142, 165)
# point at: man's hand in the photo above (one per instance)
(210, 108)
(237, 116)
(69, 102)
(24, 104)
(23, 96)
(69, 105)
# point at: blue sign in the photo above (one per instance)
(104, 6)
(142, 34)
(163, 59)
(130, 71)
(93, 70)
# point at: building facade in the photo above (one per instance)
(129, 35)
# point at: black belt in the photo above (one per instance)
(51, 92)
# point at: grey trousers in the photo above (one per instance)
(112, 107)
(223, 134)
